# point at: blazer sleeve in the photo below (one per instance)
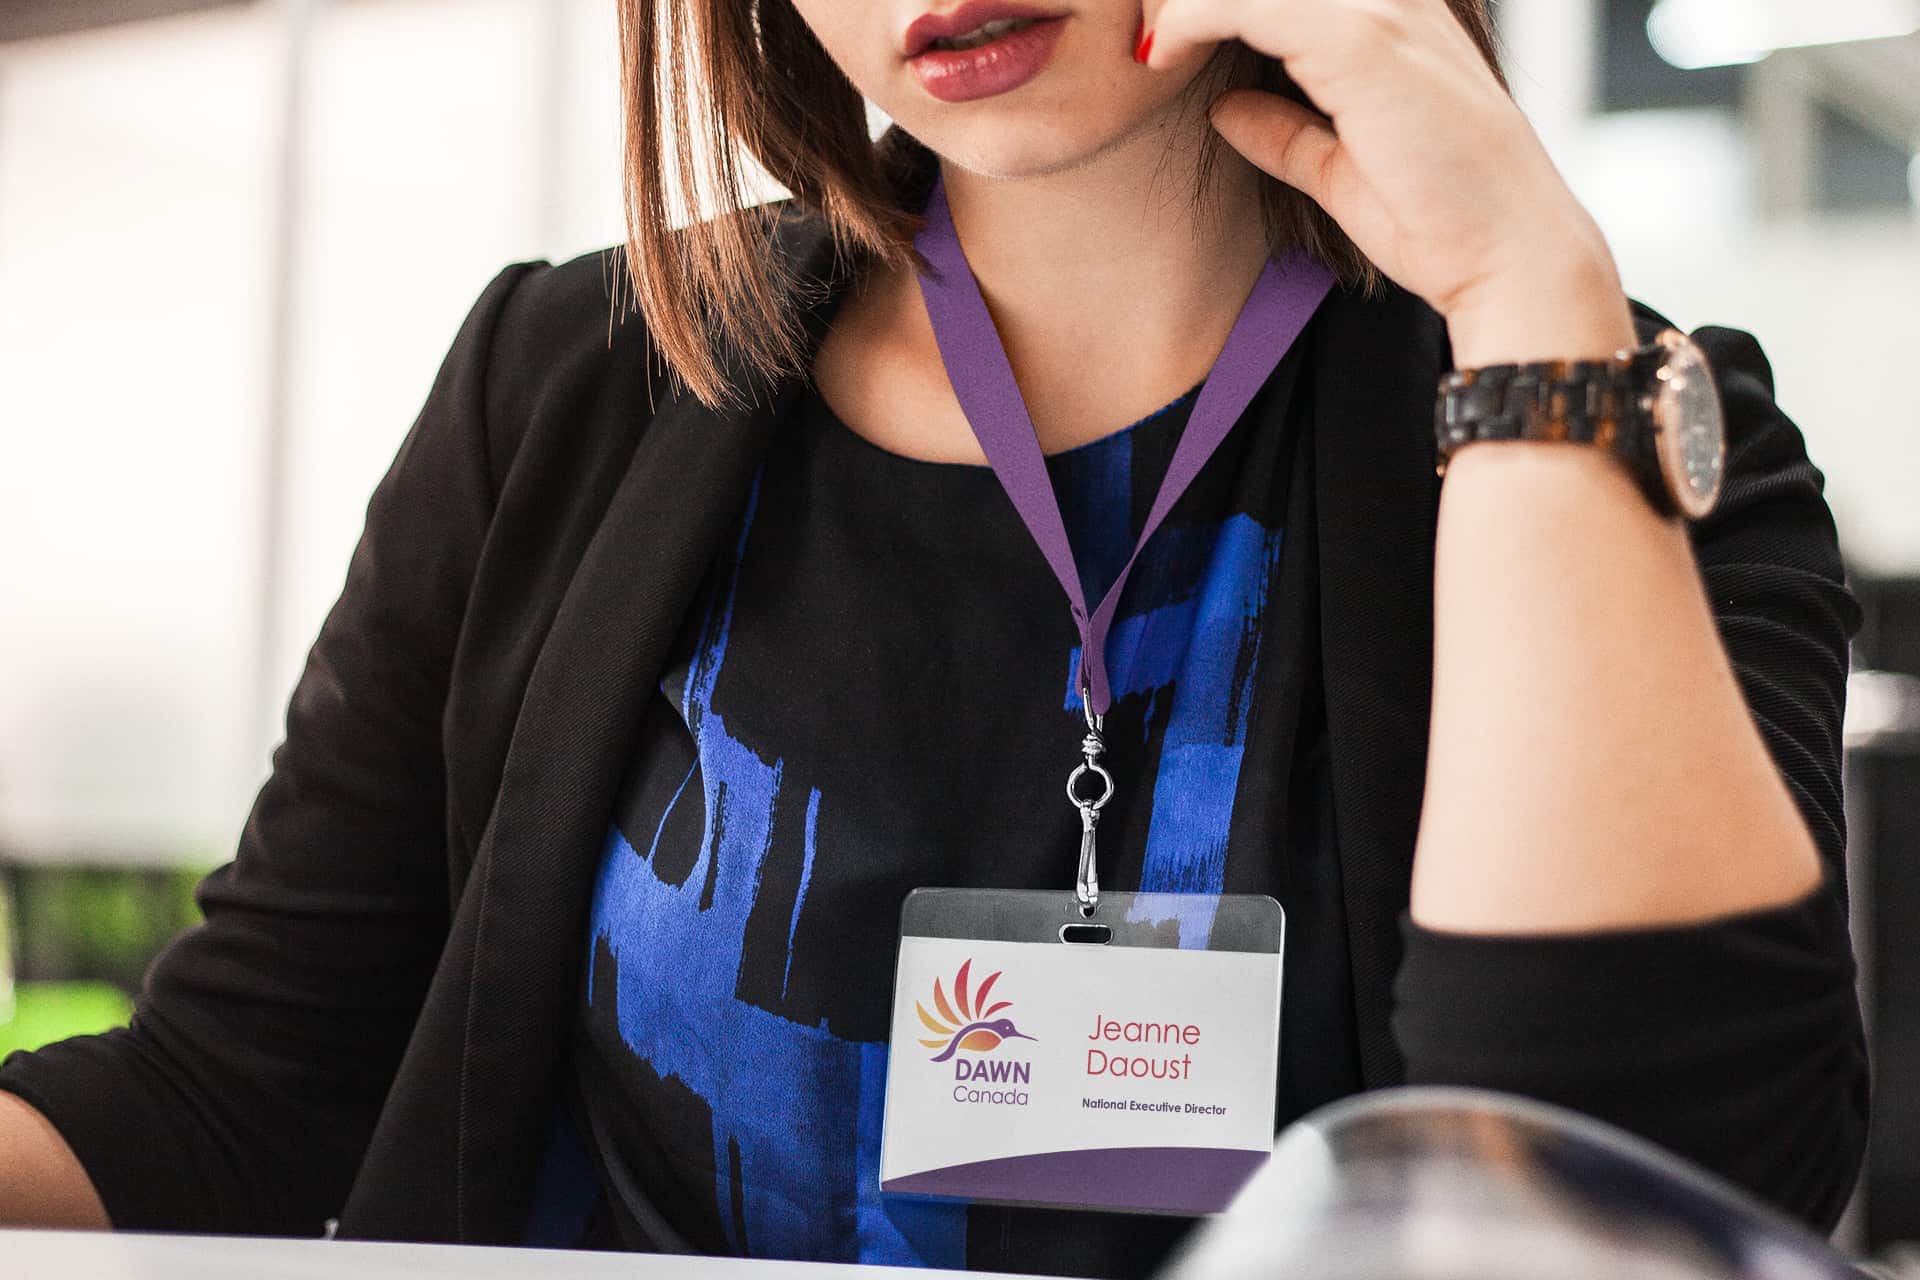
(242, 1096)
(1736, 1043)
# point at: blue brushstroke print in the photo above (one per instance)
(804, 1168)
(807, 1169)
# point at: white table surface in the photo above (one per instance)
(87, 1255)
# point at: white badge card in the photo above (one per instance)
(1125, 1061)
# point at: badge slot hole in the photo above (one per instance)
(1086, 935)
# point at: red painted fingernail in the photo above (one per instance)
(1144, 48)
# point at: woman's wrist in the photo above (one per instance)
(1559, 303)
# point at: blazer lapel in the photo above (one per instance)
(501, 1003)
(1378, 499)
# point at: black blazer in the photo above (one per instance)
(371, 1023)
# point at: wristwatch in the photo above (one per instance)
(1655, 408)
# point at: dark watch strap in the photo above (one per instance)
(1595, 402)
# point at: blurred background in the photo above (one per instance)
(236, 239)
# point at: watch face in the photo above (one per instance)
(1691, 430)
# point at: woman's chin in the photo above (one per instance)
(1016, 148)
(1029, 134)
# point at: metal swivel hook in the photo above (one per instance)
(1087, 883)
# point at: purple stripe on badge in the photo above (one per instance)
(1191, 1180)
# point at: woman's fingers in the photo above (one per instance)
(1277, 28)
(1341, 39)
(1176, 27)
(1293, 143)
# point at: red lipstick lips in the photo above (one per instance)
(929, 27)
(1004, 62)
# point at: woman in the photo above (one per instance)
(569, 911)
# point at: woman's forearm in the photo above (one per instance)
(1593, 762)
(41, 1182)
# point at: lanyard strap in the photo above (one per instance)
(1284, 298)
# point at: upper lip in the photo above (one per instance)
(929, 27)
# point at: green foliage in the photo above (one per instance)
(81, 941)
(102, 924)
(47, 1011)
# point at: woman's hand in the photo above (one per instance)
(1425, 161)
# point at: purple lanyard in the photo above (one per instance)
(1283, 300)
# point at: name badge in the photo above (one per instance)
(1121, 1060)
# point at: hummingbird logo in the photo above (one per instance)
(973, 1028)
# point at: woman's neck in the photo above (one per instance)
(1109, 270)
(1112, 289)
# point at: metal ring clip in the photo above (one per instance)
(1100, 772)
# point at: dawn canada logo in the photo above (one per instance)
(971, 1023)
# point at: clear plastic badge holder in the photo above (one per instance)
(1121, 1056)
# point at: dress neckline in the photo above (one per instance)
(834, 425)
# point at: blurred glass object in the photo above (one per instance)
(1715, 33)
(1456, 1184)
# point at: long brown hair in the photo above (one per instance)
(709, 87)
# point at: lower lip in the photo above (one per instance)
(961, 75)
